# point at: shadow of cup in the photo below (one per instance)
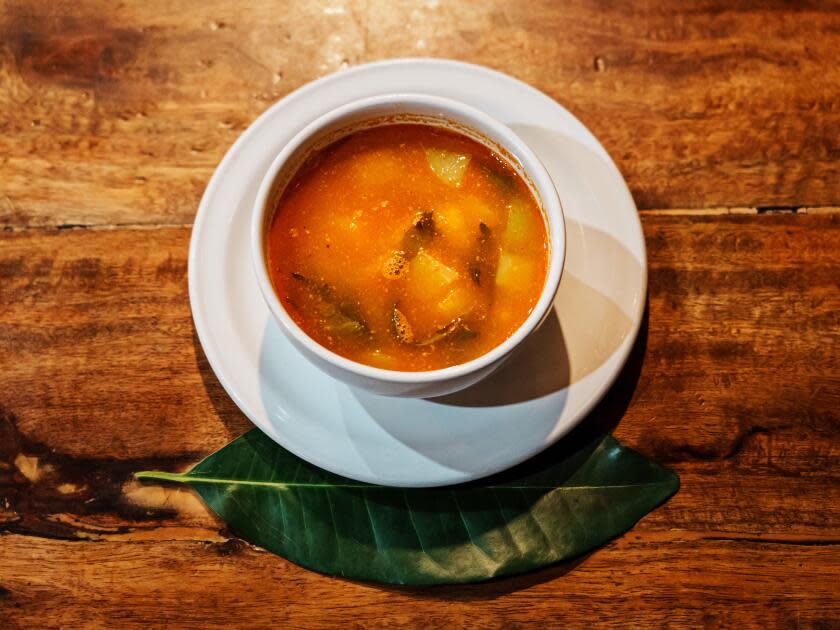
(540, 366)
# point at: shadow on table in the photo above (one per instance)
(234, 421)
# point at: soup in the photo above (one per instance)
(407, 247)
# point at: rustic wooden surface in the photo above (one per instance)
(724, 118)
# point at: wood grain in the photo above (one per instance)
(735, 385)
(643, 580)
(117, 114)
(724, 118)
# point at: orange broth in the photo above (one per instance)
(407, 247)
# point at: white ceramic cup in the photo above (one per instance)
(418, 109)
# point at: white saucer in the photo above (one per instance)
(562, 371)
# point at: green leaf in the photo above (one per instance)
(550, 509)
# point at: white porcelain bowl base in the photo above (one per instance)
(557, 376)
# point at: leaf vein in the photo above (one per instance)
(495, 563)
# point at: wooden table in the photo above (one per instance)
(723, 116)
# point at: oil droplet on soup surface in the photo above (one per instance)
(408, 247)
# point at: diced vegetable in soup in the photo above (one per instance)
(408, 247)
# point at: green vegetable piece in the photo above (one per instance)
(420, 233)
(339, 317)
(402, 331)
(485, 257)
(344, 326)
(448, 165)
(455, 330)
(505, 182)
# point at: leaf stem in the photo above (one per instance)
(162, 476)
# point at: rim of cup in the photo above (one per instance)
(418, 109)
